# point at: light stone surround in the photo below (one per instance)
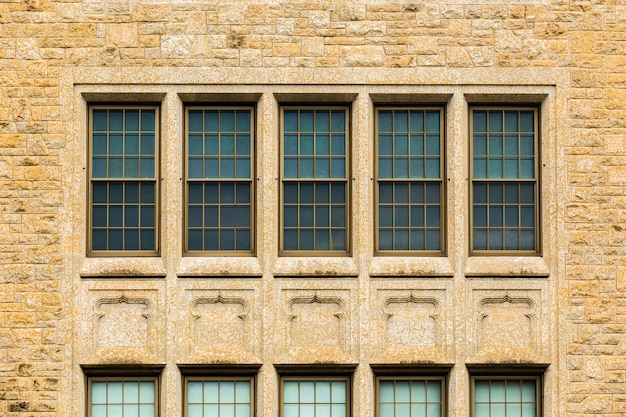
(422, 311)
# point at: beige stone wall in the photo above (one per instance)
(62, 310)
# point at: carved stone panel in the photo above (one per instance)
(123, 321)
(411, 321)
(317, 321)
(219, 322)
(507, 321)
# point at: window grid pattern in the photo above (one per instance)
(504, 180)
(315, 398)
(219, 398)
(410, 398)
(409, 175)
(505, 398)
(122, 398)
(219, 179)
(314, 212)
(123, 179)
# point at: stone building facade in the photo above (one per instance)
(163, 253)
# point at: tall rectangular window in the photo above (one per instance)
(410, 397)
(505, 180)
(219, 170)
(219, 397)
(409, 189)
(122, 397)
(314, 179)
(506, 397)
(312, 397)
(123, 179)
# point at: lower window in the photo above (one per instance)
(219, 397)
(410, 396)
(506, 396)
(315, 397)
(122, 397)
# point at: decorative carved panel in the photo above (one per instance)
(123, 321)
(317, 321)
(507, 321)
(219, 322)
(411, 321)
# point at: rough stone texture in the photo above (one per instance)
(565, 309)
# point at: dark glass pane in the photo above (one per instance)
(131, 239)
(195, 216)
(99, 122)
(131, 167)
(495, 239)
(510, 121)
(290, 239)
(527, 216)
(338, 193)
(147, 144)
(322, 144)
(306, 239)
(131, 193)
(385, 144)
(291, 216)
(306, 216)
(322, 194)
(211, 240)
(322, 239)
(116, 192)
(480, 193)
(527, 239)
(227, 192)
(339, 239)
(480, 216)
(242, 237)
(417, 121)
(306, 193)
(433, 240)
(480, 121)
(401, 144)
(480, 239)
(432, 121)
(243, 193)
(115, 239)
(401, 121)
(116, 122)
(306, 120)
(211, 121)
(322, 216)
(511, 216)
(194, 195)
(131, 216)
(385, 216)
(99, 192)
(147, 239)
(211, 193)
(195, 121)
(417, 239)
(242, 144)
(527, 121)
(290, 121)
(306, 167)
(401, 239)
(495, 193)
(385, 119)
(480, 144)
(417, 168)
(146, 216)
(338, 121)
(99, 216)
(194, 239)
(402, 193)
(385, 239)
(290, 192)
(527, 193)
(115, 167)
(433, 193)
(243, 120)
(227, 167)
(510, 193)
(417, 216)
(227, 239)
(417, 193)
(147, 120)
(338, 142)
(385, 167)
(338, 216)
(433, 215)
(401, 167)
(322, 121)
(495, 216)
(495, 121)
(211, 216)
(495, 145)
(227, 121)
(511, 239)
(385, 192)
(401, 216)
(147, 193)
(195, 143)
(98, 239)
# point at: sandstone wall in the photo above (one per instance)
(61, 310)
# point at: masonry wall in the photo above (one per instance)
(63, 312)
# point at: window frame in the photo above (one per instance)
(346, 108)
(222, 377)
(410, 377)
(156, 180)
(512, 376)
(187, 180)
(116, 378)
(424, 180)
(536, 180)
(314, 378)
